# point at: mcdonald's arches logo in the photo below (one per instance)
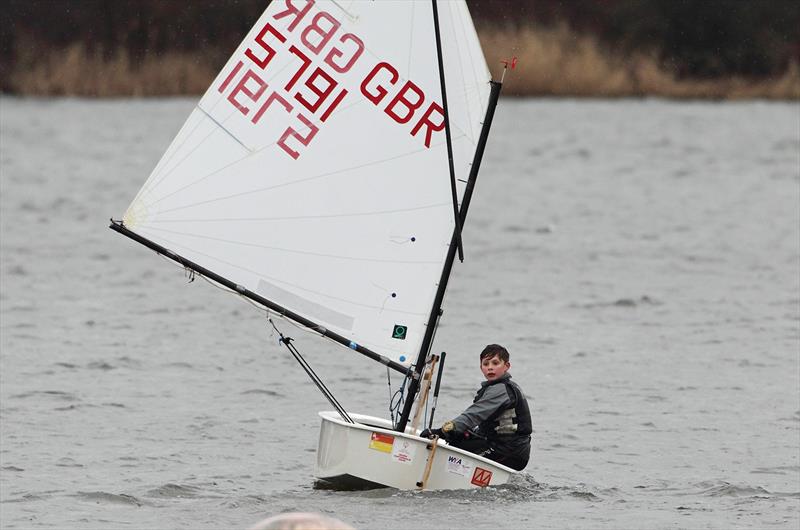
(481, 477)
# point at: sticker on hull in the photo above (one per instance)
(481, 477)
(458, 466)
(381, 442)
(403, 451)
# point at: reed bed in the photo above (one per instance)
(551, 62)
(562, 63)
(75, 71)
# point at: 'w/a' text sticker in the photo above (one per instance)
(458, 466)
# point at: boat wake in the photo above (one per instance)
(521, 488)
(102, 497)
(726, 489)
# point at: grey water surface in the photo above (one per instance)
(639, 258)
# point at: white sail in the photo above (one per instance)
(314, 170)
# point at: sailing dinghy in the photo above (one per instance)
(325, 175)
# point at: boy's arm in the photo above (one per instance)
(492, 400)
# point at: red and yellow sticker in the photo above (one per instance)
(381, 442)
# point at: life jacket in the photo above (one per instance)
(512, 421)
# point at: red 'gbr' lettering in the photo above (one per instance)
(400, 108)
(291, 9)
(318, 34)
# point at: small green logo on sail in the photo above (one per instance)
(399, 332)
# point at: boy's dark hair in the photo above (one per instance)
(495, 349)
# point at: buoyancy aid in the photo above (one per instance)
(512, 421)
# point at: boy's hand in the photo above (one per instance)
(445, 432)
(430, 433)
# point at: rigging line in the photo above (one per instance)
(268, 313)
(396, 398)
(287, 341)
(317, 330)
(302, 217)
(453, 190)
(294, 251)
(118, 226)
(283, 184)
(314, 377)
(389, 378)
(258, 307)
(262, 275)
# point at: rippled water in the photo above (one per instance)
(640, 259)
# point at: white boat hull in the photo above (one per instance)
(369, 453)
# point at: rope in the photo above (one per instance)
(287, 341)
(396, 399)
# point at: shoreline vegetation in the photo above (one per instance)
(552, 62)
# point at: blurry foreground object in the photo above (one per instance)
(301, 521)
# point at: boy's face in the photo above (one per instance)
(493, 367)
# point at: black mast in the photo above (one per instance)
(119, 227)
(436, 310)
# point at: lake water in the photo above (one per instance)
(640, 259)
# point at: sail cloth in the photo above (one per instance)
(314, 170)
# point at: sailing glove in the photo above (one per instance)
(430, 433)
(445, 432)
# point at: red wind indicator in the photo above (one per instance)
(510, 62)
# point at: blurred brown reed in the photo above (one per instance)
(560, 62)
(552, 62)
(76, 71)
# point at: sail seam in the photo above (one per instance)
(300, 217)
(165, 160)
(411, 38)
(261, 275)
(208, 112)
(158, 175)
(472, 121)
(293, 251)
(284, 184)
(162, 177)
(463, 91)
